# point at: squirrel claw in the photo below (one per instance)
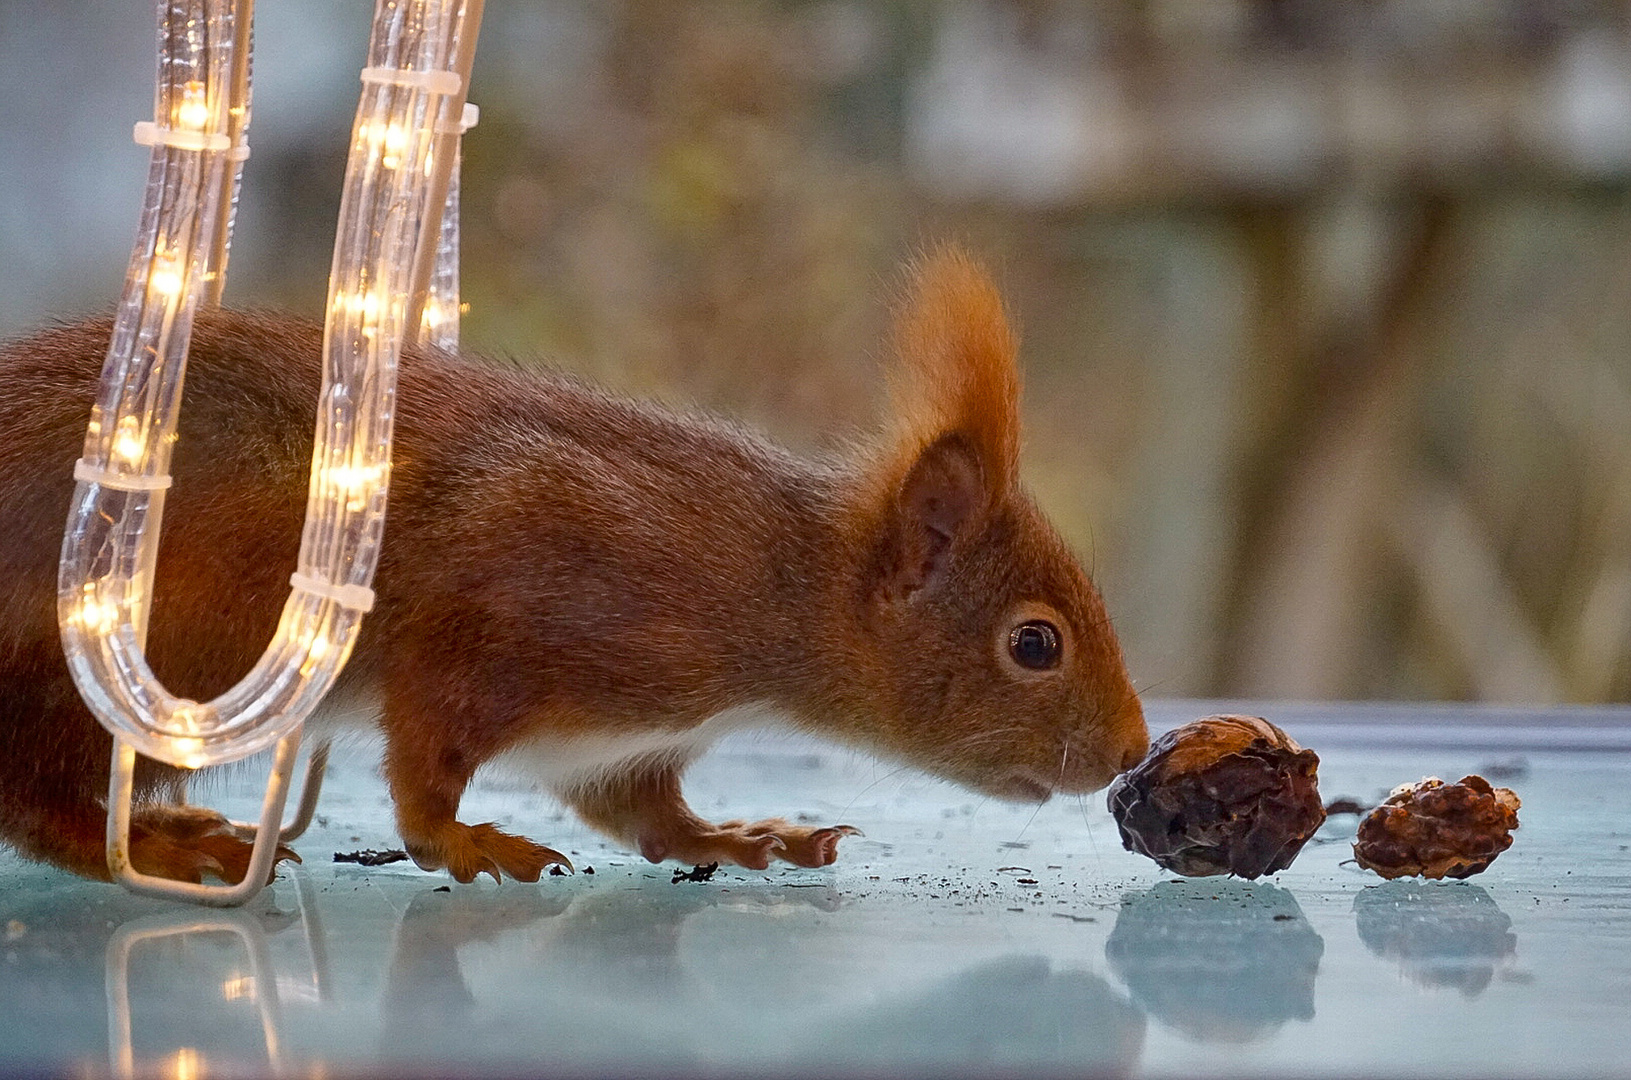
(187, 843)
(751, 844)
(467, 851)
(814, 847)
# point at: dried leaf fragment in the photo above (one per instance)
(1222, 795)
(1438, 830)
(370, 857)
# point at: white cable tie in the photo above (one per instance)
(88, 473)
(358, 598)
(148, 133)
(464, 123)
(434, 82)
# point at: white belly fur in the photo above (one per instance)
(562, 763)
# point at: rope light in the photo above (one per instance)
(399, 176)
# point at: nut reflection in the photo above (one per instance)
(1218, 961)
(1440, 935)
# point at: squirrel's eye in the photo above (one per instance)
(1034, 644)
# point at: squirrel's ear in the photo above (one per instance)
(957, 377)
(942, 494)
(953, 450)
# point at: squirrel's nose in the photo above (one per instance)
(1131, 732)
(1134, 754)
(1137, 744)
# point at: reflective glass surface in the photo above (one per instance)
(958, 936)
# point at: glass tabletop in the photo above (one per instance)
(958, 936)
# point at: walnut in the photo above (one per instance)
(1222, 795)
(1438, 830)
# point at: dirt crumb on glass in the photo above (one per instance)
(1432, 829)
(370, 857)
(704, 872)
(1222, 795)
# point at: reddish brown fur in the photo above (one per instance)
(561, 565)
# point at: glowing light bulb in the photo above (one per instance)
(95, 615)
(189, 750)
(355, 477)
(315, 653)
(356, 482)
(389, 140)
(394, 142)
(193, 113)
(189, 753)
(432, 317)
(98, 617)
(364, 303)
(127, 443)
(165, 281)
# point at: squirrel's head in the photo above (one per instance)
(994, 661)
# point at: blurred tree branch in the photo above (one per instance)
(1329, 473)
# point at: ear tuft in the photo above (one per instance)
(957, 375)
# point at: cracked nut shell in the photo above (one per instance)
(1222, 795)
(1436, 830)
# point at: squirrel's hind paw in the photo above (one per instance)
(751, 844)
(800, 844)
(467, 850)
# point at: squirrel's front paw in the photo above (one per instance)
(468, 850)
(749, 844)
(185, 843)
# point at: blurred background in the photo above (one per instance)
(1325, 304)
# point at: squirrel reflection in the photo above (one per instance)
(1019, 1009)
(623, 975)
(597, 953)
(1441, 935)
(1217, 960)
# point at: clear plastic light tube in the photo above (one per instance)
(403, 147)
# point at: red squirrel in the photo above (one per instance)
(598, 587)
